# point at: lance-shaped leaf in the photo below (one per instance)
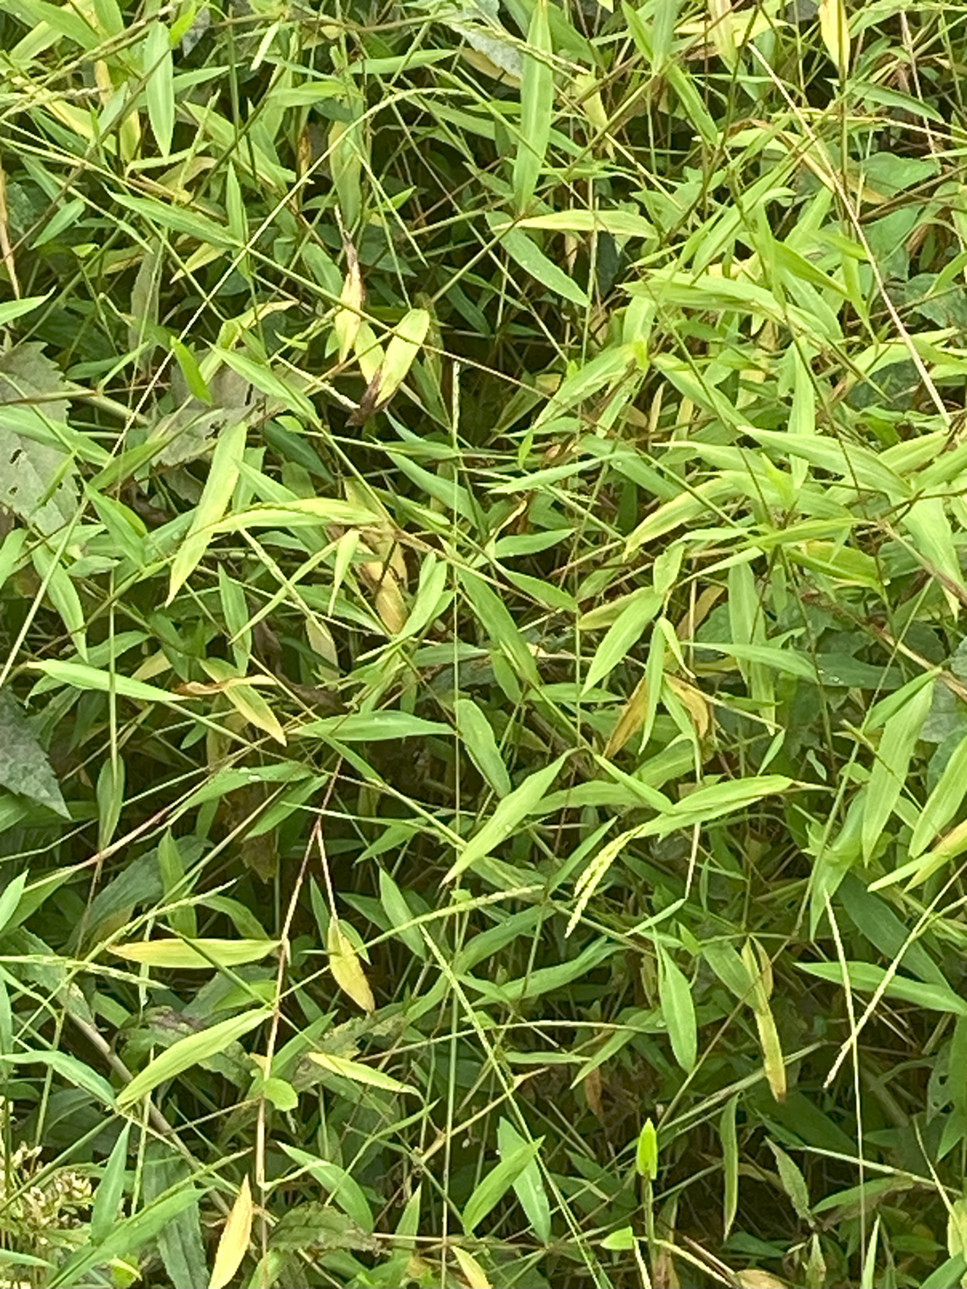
(536, 106)
(188, 1052)
(219, 486)
(24, 767)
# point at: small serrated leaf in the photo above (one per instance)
(24, 767)
(37, 478)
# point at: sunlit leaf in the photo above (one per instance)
(234, 1240)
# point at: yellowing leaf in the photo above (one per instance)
(754, 1278)
(347, 970)
(386, 574)
(834, 29)
(630, 719)
(233, 1245)
(390, 605)
(321, 642)
(189, 954)
(400, 352)
(694, 702)
(773, 1061)
(368, 351)
(360, 1073)
(473, 1272)
(722, 31)
(250, 704)
(347, 319)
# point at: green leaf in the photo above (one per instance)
(525, 800)
(399, 914)
(604, 370)
(343, 1189)
(11, 310)
(217, 493)
(533, 261)
(110, 1189)
(718, 799)
(186, 1053)
(159, 87)
(890, 769)
(528, 1184)
(24, 767)
(110, 800)
(305, 512)
(37, 472)
(730, 1164)
(80, 676)
(793, 1183)
(70, 1068)
(280, 1093)
(495, 619)
(646, 1153)
(63, 595)
(477, 735)
(536, 106)
(371, 727)
(867, 977)
(171, 867)
(621, 635)
(179, 219)
(927, 522)
(269, 382)
(488, 1194)
(11, 898)
(179, 1240)
(678, 1009)
(126, 1238)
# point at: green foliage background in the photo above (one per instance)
(483, 735)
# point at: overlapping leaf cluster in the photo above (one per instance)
(481, 593)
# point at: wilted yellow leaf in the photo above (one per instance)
(235, 1238)
(321, 641)
(346, 968)
(481, 63)
(391, 606)
(694, 701)
(631, 719)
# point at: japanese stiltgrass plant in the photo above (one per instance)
(483, 683)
